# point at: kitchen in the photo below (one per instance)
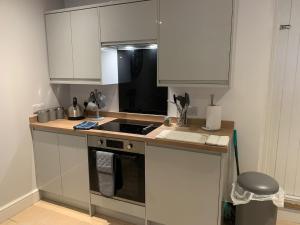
(50, 53)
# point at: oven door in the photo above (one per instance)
(129, 175)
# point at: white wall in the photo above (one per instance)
(245, 102)
(24, 82)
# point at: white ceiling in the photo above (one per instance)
(72, 3)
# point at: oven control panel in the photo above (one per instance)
(117, 144)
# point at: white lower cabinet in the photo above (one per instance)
(62, 165)
(74, 167)
(182, 187)
(47, 163)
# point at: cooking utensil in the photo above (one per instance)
(182, 101)
(175, 99)
(175, 102)
(91, 106)
(92, 97)
(187, 97)
(85, 104)
(212, 96)
(75, 112)
(101, 100)
(182, 107)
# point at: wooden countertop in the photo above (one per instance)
(66, 126)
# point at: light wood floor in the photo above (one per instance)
(286, 223)
(44, 213)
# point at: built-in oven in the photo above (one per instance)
(128, 167)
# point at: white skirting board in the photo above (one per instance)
(14, 207)
(292, 198)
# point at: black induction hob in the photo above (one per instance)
(129, 126)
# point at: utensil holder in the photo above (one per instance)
(182, 119)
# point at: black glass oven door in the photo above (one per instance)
(129, 174)
(130, 177)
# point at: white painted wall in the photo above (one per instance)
(245, 102)
(24, 82)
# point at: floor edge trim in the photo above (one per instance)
(14, 207)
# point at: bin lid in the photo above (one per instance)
(258, 183)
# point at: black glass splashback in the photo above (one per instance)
(138, 91)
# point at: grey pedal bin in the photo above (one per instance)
(257, 212)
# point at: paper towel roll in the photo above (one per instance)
(213, 117)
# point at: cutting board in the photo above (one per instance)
(183, 136)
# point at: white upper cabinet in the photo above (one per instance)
(59, 40)
(74, 49)
(194, 42)
(86, 44)
(129, 22)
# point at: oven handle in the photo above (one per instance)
(119, 156)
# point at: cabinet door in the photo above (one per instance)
(182, 187)
(58, 29)
(74, 167)
(86, 43)
(47, 162)
(128, 22)
(194, 41)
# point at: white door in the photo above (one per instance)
(47, 164)
(284, 129)
(182, 188)
(86, 44)
(288, 156)
(59, 40)
(194, 41)
(129, 22)
(74, 167)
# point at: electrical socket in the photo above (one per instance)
(37, 107)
